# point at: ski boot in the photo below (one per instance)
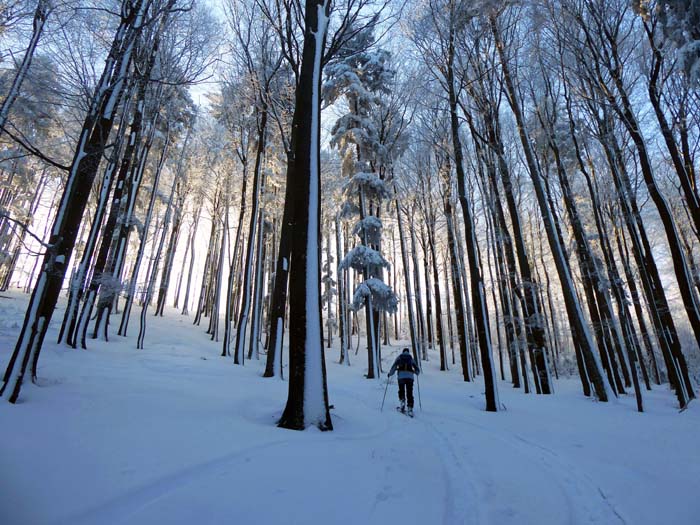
(402, 408)
(410, 411)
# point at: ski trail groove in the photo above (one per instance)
(123, 507)
(459, 484)
(575, 485)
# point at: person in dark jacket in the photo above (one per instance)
(406, 367)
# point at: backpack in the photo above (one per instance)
(405, 363)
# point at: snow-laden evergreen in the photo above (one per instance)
(376, 293)
(360, 80)
(363, 257)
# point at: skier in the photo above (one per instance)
(406, 366)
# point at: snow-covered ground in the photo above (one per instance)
(175, 434)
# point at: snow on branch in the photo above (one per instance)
(382, 296)
(21, 225)
(369, 230)
(364, 258)
(373, 187)
(349, 209)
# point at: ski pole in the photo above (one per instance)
(418, 385)
(385, 389)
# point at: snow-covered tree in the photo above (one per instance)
(680, 22)
(360, 79)
(88, 154)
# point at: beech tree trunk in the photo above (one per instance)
(86, 160)
(571, 301)
(307, 402)
(478, 293)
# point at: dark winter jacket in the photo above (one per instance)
(406, 366)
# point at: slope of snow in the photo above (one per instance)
(175, 434)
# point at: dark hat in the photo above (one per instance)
(405, 350)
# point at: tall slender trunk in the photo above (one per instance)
(175, 234)
(130, 174)
(86, 160)
(600, 308)
(440, 329)
(423, 354)
(651, 281)
(249, 270)
(191, 244)
(203, 289)
(415, 344)
(478, 293)
(631, 282)
(151, 278)
(371, 316)
(448, 313)
(117, 256)
(77, 283)
(41, 13)
(573, 306)
(254, 345)
(133, 281)
(281, 285)
(307, 402)
(329, 289)
(343, 319)
(169, 256)
(430, 335)
(457, 294)
(218, 275)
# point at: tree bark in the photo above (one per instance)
(84, 166)
(307, 401)
(571, 301)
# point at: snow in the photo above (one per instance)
(175, 434)
(363, 257)
(30, 319)
(374, 187)
(381, 296)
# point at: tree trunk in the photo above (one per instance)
(192, 239)
(77, 282)
(249, 270)
(423, 354)
(307, 402)
(43, 8)
(477, 283)
(571, 301)
(651, 281)
(151, 278)
(84, 166)
(415, 346)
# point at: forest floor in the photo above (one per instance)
(176, 434)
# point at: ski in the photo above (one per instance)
(404, 412)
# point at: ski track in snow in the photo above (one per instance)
(127, 507)
(574, 486)
(123, 508)
(201, 447)
(463, 493)
(459, 484)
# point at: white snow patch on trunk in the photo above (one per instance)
(314, 403)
